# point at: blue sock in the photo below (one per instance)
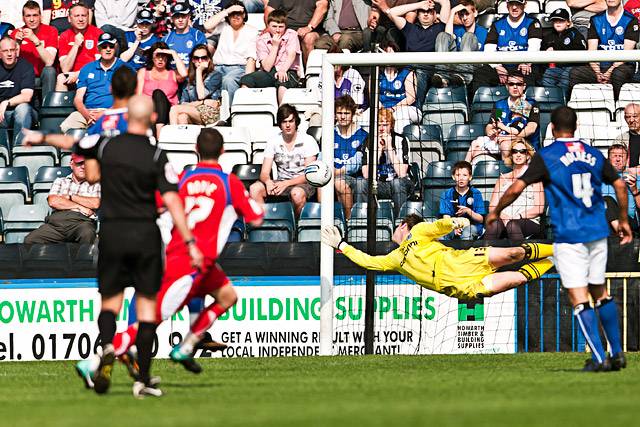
(608, 313)
(196, 305)
(132, 317)
(588, 323)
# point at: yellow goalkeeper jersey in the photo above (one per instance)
(432, 265)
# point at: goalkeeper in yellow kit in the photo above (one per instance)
(462, 274)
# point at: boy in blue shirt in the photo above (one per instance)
(183, 38)
(464, 201)
(139, 41)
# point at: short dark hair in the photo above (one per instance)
(284, 111)
(79, 4)
(516, 73)
(278, 16)
(412, 220)
(390, 43)
(237, 3)
(564, 119)
(209, 144)
(123, 83)
(31, 5)
(462, 164)
(347, 103)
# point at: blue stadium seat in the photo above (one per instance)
(237, 231)
(486, 96)
(486, 19)
(480, 117)
(486, 174)
(425, 143)
(436, 180)
(465, 132)
(14, 187)
(278, 225)
(56, 106)
(446, 107)
(248, 173)
(21, 220)
(357, 227)
(43, 181)
(546, 94)
(410, 207)
(309, 224)
(316, 133)
(34, 158)
(457, 150)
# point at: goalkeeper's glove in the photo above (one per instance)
(460, 222)
(331, 236)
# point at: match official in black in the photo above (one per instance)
(130, 170)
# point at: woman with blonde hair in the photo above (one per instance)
(522, 218)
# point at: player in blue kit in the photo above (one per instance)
(572, 173)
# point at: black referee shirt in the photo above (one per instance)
(131, 170)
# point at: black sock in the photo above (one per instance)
(107, 326)
(144, 342)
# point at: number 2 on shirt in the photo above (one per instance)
(582, 188)
(200, 213)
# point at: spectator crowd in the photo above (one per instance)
(191, 56)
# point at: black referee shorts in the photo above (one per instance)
(130, 255)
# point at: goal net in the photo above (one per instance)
(440, 134)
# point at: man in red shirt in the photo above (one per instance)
(213, 201)
(633, 7)
(38, 45)
(78, 46)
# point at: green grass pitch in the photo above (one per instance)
(466, 390)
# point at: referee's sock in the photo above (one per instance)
(534, 270)
(608, 313)
(144, 343)
(588, 323)
(107, 326)
(537, 250)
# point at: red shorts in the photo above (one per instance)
(181, 283)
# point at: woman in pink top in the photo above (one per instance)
(159, 81)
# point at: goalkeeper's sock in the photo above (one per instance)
(608, 313)
(588, 323)
(107, 326)
(122, 341)
(537, 250)
(534, 270)
(144, 343)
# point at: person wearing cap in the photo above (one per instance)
(613, 29)
(421, 35)
(116, 17)
(38, 45)
(139, 40)
(563, 37)
(77, 46)
(183, 38)
(74, 203)
(516, 32)
(93, 95)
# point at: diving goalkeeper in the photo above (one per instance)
(463, 274)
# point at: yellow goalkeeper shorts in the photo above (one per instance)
(462, 272)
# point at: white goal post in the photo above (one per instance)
(405, 58)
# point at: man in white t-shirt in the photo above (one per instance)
(291, 151)
(235, 55)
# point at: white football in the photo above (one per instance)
(318, 173)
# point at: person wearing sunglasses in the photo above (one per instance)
(93, 95)
(200, 98)
(521, 219)
(513, 117)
